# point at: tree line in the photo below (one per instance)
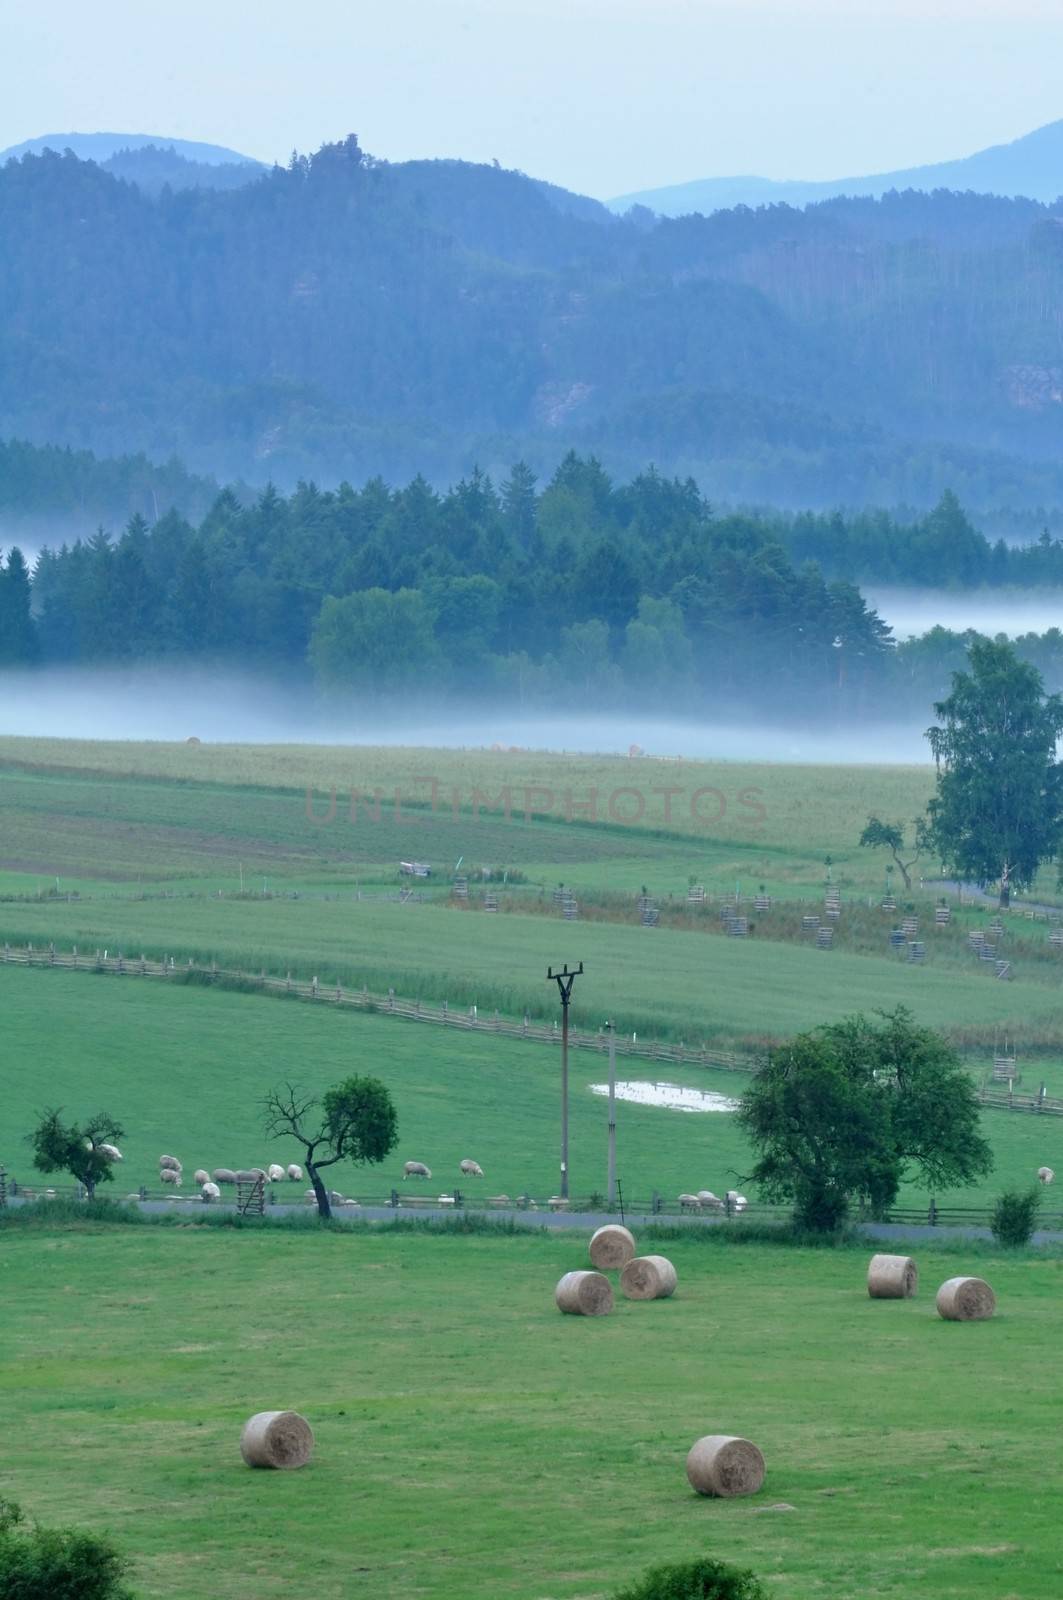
(611, 590)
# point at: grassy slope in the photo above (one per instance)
(652, 980)
(470, 1441)
(185, 1069)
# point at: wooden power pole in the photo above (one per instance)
(564, 980)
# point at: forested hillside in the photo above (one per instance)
(618, 594)
(345, 317)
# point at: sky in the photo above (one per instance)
(603, 96)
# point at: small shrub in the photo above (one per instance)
(695, 1580)
(57, 1563)
(1015, 1216)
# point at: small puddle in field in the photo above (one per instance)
(669, 1095)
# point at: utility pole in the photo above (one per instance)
(611, 1183)
(564, 980)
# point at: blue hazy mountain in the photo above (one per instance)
(101, 147)
(1031, 167)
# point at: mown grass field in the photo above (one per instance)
(185, 1070)
(124, 812)
(470, 1441)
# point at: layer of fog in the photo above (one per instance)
(911, 612)
(175, 703)
(669, 1095)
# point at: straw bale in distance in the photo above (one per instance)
(648, 1278)
(612, 1247)
(276, 1439)
(892, 1277)
(584, 1294)
(723, 1465)
(965, 1300)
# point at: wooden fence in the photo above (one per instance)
(443, 1014)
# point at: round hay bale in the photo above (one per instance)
(584, 1294)
(611, 1247)
(648, 1278)
(965, 1300)
(723, 1465)
(276, 1439)
(892, 1277)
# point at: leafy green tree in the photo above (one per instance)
(998, 810)
(57, 1563)
(1014, 1216)
(889, 836)
(843, 1114)
(356, 1121)
(374, 639)
(703, 1579)
(58, 1147)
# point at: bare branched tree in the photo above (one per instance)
(355, 1122)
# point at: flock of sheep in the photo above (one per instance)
(705, 1200)
(171, 1173)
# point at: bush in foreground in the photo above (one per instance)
(1014, 1216)
(695, 1580)
(57, 1563)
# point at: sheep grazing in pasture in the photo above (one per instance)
(710, 1201)
(471, 1169)
(258, 1172)
(248, 1175)
(499, 1200)
(1045, 1174)
(170, 1162)
(416, 1169)
(223, 1175)
(210, 1191)
(295, 1173)
(276, 1173)
(168, 1175)
(738, 1201)
(201, 1176)
(689, 1202)
(111, 1151)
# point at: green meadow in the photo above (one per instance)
(472, 1441)
(185, 1069)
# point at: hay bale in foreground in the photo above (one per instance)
(648, 1278)
(892, 1277)
(965, 1300)
(584, 1294)
(612, 1247)
(276, 1439)
(721, 1464)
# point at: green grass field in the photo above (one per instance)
(185, 1069)
(470, 1441)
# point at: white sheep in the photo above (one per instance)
(210, 1191)
(710, 1201)
(471, 1169)
(276, 1174)
(111, 1151)
(168, 1175)
(295, 1173)
(1045, 1174)
(689, 1202)
(224, 1175)
(416, 1169)
(201, 1176)
(170, 1162)
(738, 1201)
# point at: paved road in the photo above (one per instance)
(589, 1219)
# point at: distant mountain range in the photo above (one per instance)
(1031, 167)
(340, 317)
(149, 160)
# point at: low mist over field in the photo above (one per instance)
(911, 612)
(175, 704)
